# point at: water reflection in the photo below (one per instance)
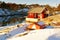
(12, 18)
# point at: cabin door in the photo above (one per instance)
(36, 15)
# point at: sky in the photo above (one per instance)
(41, 2)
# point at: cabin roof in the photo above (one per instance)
(36, 10)
(34, 26)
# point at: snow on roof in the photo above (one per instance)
(41, 23)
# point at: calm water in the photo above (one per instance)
(13, 17)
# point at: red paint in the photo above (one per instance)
(43, 14)
(35, 15)
(31, 15)
(39, 16)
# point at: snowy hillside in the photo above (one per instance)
(43, 34)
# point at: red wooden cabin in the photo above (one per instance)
(36, 13)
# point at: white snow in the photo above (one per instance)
(14, 30)
(42, 34)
